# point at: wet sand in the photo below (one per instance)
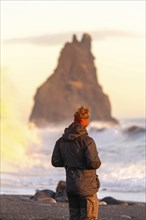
(19, 207)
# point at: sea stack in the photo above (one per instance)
(74, 83)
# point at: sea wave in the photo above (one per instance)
(121, 149)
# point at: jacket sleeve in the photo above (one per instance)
(56, 159)
(91, 155)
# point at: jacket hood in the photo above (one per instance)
(74, 131)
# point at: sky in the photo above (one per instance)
(34, 32)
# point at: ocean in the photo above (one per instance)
(26, 159)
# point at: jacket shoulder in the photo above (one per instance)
(88, 140)
(59, 140)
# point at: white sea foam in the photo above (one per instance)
(122, 155)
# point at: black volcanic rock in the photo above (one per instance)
(73, 83)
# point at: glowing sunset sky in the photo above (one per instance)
(34, 32)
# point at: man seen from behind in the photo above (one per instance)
(77, 152)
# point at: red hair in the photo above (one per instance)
(82, 116)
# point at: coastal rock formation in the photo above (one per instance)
(73, 83)
(61, 194)
(49, 196)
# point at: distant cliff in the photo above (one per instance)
(73, 83)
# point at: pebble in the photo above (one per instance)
(126, 216)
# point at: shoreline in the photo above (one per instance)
(123, 196)
(18, 207)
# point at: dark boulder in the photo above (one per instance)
(112, 201)
(45, 196)
(61, 195)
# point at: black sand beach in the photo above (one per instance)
(19, 207)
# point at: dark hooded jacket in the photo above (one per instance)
(77, 152)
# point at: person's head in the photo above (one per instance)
(81, 116)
